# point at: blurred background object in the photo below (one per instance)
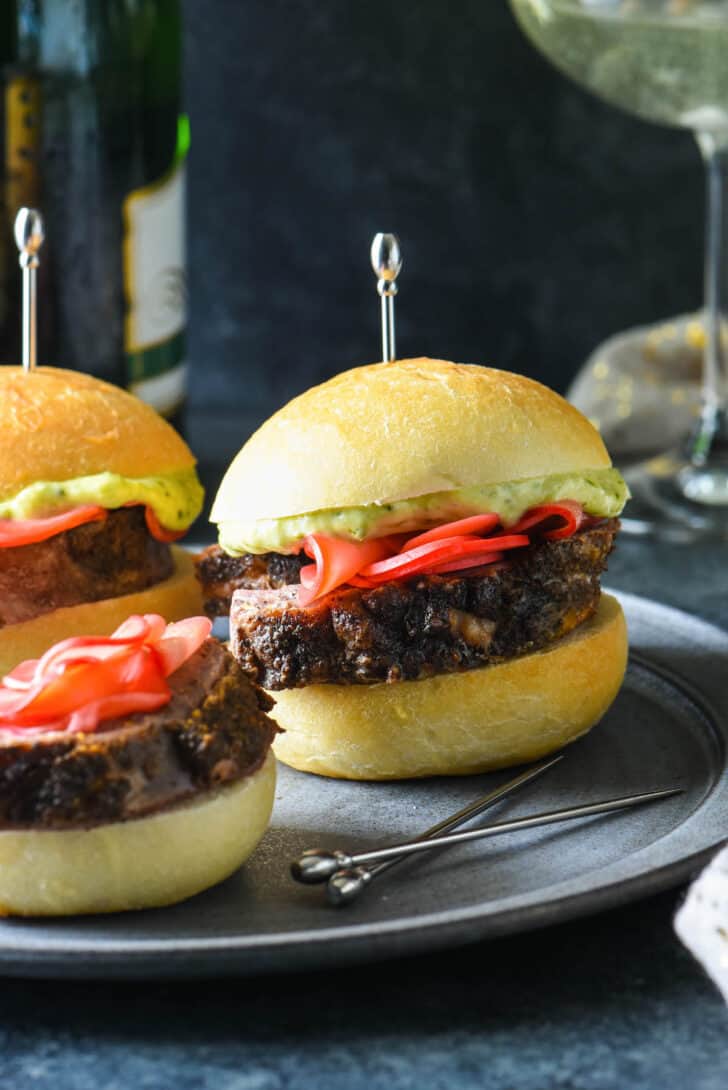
(663, 60)
(93, 136)
(536, 220)
(642, 388)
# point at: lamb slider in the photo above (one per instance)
(94, 488)
(411, 555)
(135, 770)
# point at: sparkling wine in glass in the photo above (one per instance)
(667, 62)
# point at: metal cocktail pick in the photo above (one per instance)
(317, 866)
(29, 239)
(344, 875)
(386, 262)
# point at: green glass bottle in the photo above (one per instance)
(94, 137)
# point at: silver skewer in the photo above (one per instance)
(347, 865)
(317, 866)
(387, 262)
(29, 237)
(546, 818)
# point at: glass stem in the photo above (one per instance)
(712, 429)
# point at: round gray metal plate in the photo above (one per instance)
(668, 726)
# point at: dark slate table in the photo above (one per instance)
(612, 1002)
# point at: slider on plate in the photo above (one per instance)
(135, 770)
(94, 486)
(410, 554)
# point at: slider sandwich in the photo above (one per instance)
(94, 488)
(410, 555)
(135, 770)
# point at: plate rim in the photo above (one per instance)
(323, 947)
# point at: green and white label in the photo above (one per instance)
(155, 286)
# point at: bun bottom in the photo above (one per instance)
(174, 598)
(455, 724)
(144, 863)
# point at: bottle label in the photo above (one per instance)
(23, 104)
(154, 284)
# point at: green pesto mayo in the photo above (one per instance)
(175, 498)
(601, 492)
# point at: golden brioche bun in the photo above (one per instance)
(143, 863)
(174, 598)
(454, 724)
(393, 431)
(56, 425)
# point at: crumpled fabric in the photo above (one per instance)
(702, 920)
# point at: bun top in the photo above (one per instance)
(56, 425)
(394, 431)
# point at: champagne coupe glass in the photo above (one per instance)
(665, 61)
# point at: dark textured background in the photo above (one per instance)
(534, 219)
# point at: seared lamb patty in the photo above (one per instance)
(98, 560)
(213, 731)
(426, 625)
(221, 574)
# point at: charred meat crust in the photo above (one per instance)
(98, 560)
(214, 731)
(423, 626)
(220, 575)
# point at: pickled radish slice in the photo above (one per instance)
(15, 532)
(453, 546)
(424, 558)
(180, 640)
(335, 562)
(571, 512)
(84, 680)
(466, 562)
(161, 533)
(474, 524)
